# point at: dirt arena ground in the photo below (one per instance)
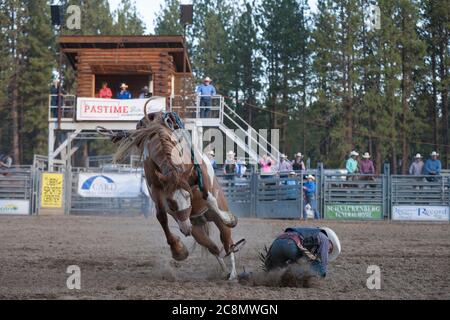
(127, 258)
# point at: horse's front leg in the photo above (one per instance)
(177, 247)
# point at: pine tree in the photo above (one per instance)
(128, 20)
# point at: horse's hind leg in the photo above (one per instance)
(227, 241)
(178, 249)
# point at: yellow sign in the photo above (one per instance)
(52, 190)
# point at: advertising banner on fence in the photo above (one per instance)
(52, 190)
(420, 213)
(353, 212)
(114, 185)
(92, 109)
(21, 207)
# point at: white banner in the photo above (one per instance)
(8, 207)
(114, 185)
(420, 213)
(93, 109)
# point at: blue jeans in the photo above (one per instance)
(311, 200)
(204, 112)
(281, 252)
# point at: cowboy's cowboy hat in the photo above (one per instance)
(418, 156)
(123, 85)
(293, 173)
(211, 152)
(331, 235)
(366, 155)
(231, 153)
(299, 154)
(434, 153)
(207, 79)
(283, 156)
(354, 153)
(310, 177)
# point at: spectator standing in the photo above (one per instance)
(230, 165)
(105, 92)
(241, 168)
(124, 94)
(352, 163)
(266, 164)
(57, 97)
(366, 165)
(416, 168)
(285, 165)
(212, 159)
(432, 166)
(297, 163)
(145, 93)
(5, 161)
(310, 197)
(206, 91)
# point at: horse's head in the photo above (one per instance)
(179, 198)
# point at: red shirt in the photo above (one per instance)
(105, 93)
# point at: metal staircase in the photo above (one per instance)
(228, 121)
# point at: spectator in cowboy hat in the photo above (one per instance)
(432, 166)
(105, 91)
(211, 156)
(416, 168)
(284, 165)
(297, 163)
(366, 165)
(206, 91)
(309, 189)
(124, 94)
(352, 163)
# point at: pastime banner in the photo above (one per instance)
(92, 109)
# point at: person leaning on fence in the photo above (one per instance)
(241, 168)
(206, 91)
(352, 164)
(5, 163)
(105, 91)
(432, 166)
(309, 189)
(285, 165)
(366, 167)
(416, 168)
(266, 163)
(297, 163)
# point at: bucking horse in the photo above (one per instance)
(181, 183)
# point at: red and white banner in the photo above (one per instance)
(92, 109)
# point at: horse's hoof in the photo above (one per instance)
(179, 253)
(232, 222)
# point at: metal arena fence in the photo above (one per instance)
(340, 196)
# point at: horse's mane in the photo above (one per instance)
(163, 143)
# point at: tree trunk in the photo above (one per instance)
(433, 106)
(445, 119)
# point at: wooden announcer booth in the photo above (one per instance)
(159, 62)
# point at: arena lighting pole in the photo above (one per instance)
(186, 17)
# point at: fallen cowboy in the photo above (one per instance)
(295, 257)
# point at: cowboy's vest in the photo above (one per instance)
(307, 236)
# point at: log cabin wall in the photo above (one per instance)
(161, 67)
(158, 58)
